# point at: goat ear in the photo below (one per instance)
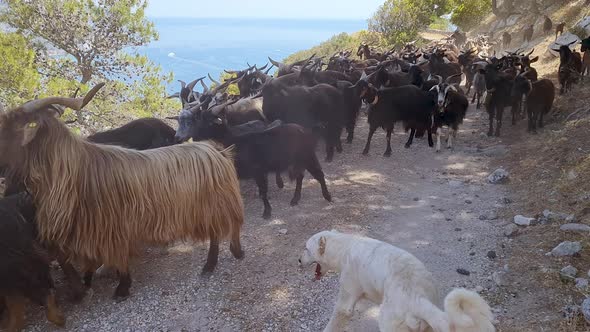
(29, 132)
(535, 59)
(322, 246)
(218, 121)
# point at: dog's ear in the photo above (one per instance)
(322, 244)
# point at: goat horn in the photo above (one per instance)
(192, 84)
(212, 80)
(448, 80)
(182, 84)
(231, 72)
(531, 52)
(73, 103)
(205, 87)
(275, 63)
(269, 68)
(262, 68)
(175, 95)
(439, 78)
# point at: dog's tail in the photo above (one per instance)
(468, 311)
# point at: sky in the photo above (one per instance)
(302, 9)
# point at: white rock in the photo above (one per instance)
(523, 221)
(479, 289)
(586, 309)
(511, 230)
(566, 248)
(498, 176)
(575, 228)
(455, 183)
(581, 283)
(568, 273)
(283, 231)
(585, 24)
(564, 39)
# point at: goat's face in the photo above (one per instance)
(212, 124)
(491, 75)
(18, 129)
(521, 86)
(188, 123)
(440, 93)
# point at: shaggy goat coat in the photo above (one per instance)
(396, 280)
(98, 202)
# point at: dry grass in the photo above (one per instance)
(548, 171)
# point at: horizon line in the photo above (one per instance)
(265, 17)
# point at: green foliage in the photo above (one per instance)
(401, 20)
(78, 43)
(469, 13)
(440, 23)
(232, 89)
(18, 77)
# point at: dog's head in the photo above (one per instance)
(315, 251)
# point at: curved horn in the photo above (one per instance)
(275, 63)
(439, 78)
(448, 80)
(269, 68)
(175, 95)
(212, 80)
(231, 72)
(182, 84)
(531, 52)
(192, 84)
(262, 68)
(205, 87)
(575, 41)
(73, 103)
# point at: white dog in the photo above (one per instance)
(396, 280)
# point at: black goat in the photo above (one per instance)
(547, 24)
(528, 34)
(586, 57)
(452, 108)
(140, 134)
(353, 105)
(439, 67)
(24, 265)
(466, 60)
(537, 97)
(570, 67)
(559, 29)
(261, 149)
(506, 39)
(319, 108)
(408, 104)
(499, 86)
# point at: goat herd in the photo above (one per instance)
(93, 201)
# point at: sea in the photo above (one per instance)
(194, 47)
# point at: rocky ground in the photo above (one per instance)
(439, 207)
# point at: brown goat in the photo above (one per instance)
(559, 29)
(99, 203)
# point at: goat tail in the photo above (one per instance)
(468, 311)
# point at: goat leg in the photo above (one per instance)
(297, 194)
(499, 116)
(235, 247)
(315, 169)
(212, 255)
(491, 112)
(372, 130)
(262, 182)
(54, 314)
(122, 291)
(279, 181)
(430, 141)
(388, 149)
(411, 138)
(437, 133)
(76, 291)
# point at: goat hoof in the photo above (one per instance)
(121, 295)
(208, 270)
(349, 141)
(237, 253)
(387, 154)
(57, 318)
(294, 202)
(328, 159)
(266, 215)
(365, 152)
(407, 146)
(437, 150)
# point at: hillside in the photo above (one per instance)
(549, 171)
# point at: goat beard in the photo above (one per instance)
(318, 271)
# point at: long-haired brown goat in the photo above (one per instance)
(98, 203)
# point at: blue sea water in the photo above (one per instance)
(193, 47)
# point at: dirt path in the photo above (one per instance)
(426, 203)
